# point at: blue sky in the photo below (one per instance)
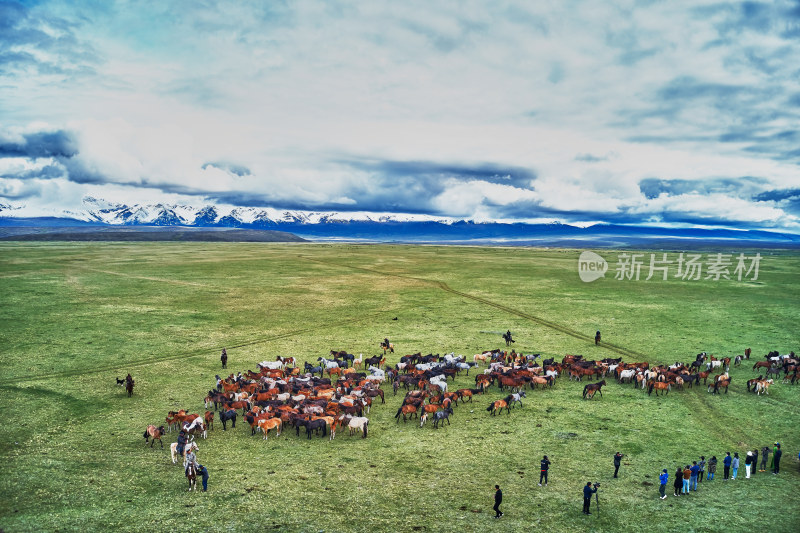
(673, 113)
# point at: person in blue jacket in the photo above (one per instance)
(203, 471)
(726, 466)
(587, 496)
(662, 480)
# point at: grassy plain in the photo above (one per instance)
(75, 316)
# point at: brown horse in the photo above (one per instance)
(154, 433)
(408, 411)
(657, 386)
(191, 475)
(498, 405)
(129, 385)
(594, 387)
(762, 364)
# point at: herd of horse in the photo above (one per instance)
(278, 396)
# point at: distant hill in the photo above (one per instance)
(143, 233)
(104, 221)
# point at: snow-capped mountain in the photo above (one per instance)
(97, 210)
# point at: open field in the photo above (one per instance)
(75, 316)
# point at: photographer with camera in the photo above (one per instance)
(588, 490)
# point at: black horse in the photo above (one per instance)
(312, 425)
(129, 385)
(228, 415)
(313, 369)
(507, 337)
(441, 416)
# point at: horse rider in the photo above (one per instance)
(181, 442)
(386, 342)
(191, 459)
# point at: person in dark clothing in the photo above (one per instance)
(776, 459)
(498, 499)
(702, 465)
(712, 467)
(181, 442)
(597, 338)
(617, 461)
(587, 496)
(726, 466)
(203, 471)
(545, 466)
(695, 473)
(678, 483)
(764, 454)
(754, 462)
(224, 358)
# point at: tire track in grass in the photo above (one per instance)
(510, 310)
(186, 355)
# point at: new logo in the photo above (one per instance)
(591, 266)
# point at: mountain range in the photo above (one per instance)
(381, 227)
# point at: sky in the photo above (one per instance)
(678, 113)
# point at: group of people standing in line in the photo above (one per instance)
(687, 478)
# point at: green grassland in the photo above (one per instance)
(75, 316)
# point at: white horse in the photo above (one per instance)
(328, 363)
(359, 423)
(194, 426)
(626, 374)
(551, 373)
(713, 364)
(271, 365)
(375, 371)
(173, 448)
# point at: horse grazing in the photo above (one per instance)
(173, 449)
(191, 475)
(129, 385)
(498, 405)
(154, 433)
(441, 416)
(594, 387)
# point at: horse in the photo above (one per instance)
(718, 384)
(191, 475)
(498, 405)
(507, 337)
(441, 416)
(658, 385)
(129, 385)
(155, 433)
(387, 346)
(265, 424)
(762, 364)
(407, 411)
(358, 423)
(310, 369)
(173, 449)
(195, 426)
(597, 387)
(515, 398)
(228, 415)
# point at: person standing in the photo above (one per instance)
(748, 462)
(712, 467)
(545, 466)
(754, 462)
(726, 466)
(764, 454)
(662, 483)
(678, 483)
(695, 470)
(203, 471)
(687, 474)
(776, 459)
(735, 465)
(224, 358)
(771, 463)
(498, 499)
(702, 465)
(587, 497)
(617, 461)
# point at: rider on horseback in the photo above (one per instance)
(191, 459)
(181, 442)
